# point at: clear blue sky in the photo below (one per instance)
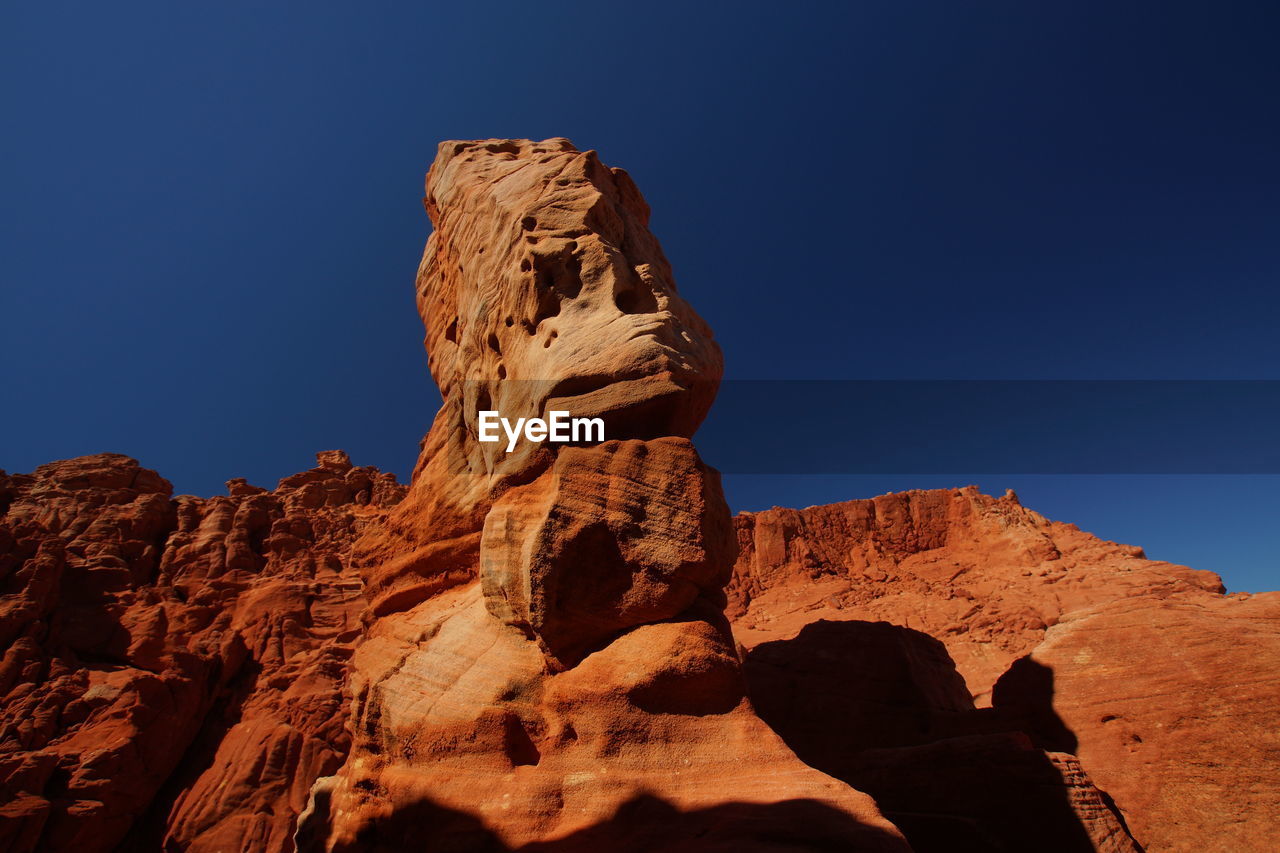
(214, 215)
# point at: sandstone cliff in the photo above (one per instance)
(962, 658)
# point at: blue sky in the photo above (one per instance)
(215, 216)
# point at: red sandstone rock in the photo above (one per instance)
(1162, 686)
(984, 575)
(1165, 692)
(547, 661)
(611, 538)
(540, 289)
(1175, 704)
(882, 707)
(172, 667)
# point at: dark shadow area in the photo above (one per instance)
(841, 687)
(422, 826)
(1023, 701)
(882, 708)
(642, 825)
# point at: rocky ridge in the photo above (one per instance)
(954, 654)
(172, 667)
(173, 670)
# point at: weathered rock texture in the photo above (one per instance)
(547, 660)
(535, 650)
(541, 289)
(172, 667)
(954, 654)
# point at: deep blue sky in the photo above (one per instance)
(214, 215)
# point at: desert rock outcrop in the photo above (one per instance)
(922, 635)
(547, 649)
(172, 667)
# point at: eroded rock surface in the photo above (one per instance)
(942, 650)
(547, 657)
(172, 667)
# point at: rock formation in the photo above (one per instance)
(573, 647)
(946, 650)
(547, 647)
(172, 667)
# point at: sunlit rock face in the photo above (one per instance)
(542, 270)
(869, 624)
(611, 538)
(541, 289)
(546, 654)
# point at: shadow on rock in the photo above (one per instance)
(641, 825)
(1023, 699)
(883, 708)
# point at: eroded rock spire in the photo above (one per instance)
(546, 652)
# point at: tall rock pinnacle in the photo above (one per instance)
(546, 655)
(541, 289)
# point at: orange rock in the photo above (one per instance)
(541, 289)
(1173, 703)
(611, 537)
(173, 667)
(984, 575)
(547, 661)
(1138, 677)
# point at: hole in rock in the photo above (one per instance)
(561, 272)
(519, 746)
(637, 299)
(548, 307)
